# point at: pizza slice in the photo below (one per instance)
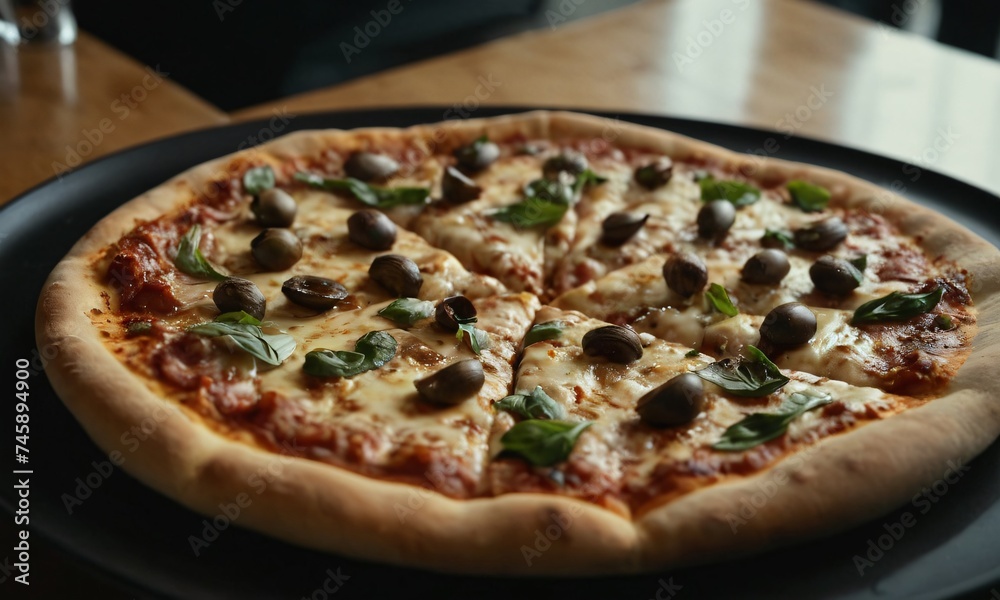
(629, 421)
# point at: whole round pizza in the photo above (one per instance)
(542, 343)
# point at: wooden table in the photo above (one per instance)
(787, 65)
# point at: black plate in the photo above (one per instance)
(142, 539)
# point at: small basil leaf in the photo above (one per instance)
(749, 377)
(543, 442)
(549, 330)
(407, 311)
(860, 263)
(780, 237)
(549, 190)
(144, 327)
(943, 322)
(719, 298)
(692, 354)
(758, 428)
(532, 213)
(587, 178)
(897, 306)
(330, 363)
(536, 405)
(379, 197)
(737, 192)
(258, 179)
(477, 339)
(807, 196)
(246, 333)
(190, 260)
(371, 351)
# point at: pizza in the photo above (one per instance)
(544, 343)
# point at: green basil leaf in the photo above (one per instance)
(477, 339)
(942, 322)
(897, 306)
(238, 316)
(543, 442)
(549, 330)
(550, 190)
(719, 298)
(532, 213)
(807, 196)
(407, 311)
(190, 260)
(692, 354)
(379, 197)
(536, 405)
(586, 179)
(749, 377)
(258, 179)
(737, 192)
(371, 351)
(860, 263)
(780, 236)
(144, 327)
(245, 331)
(758, 428)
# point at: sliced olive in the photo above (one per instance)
(676, 402)
(619, 228)
(274, 208)
(368, 166)
(454, 310)
(613, 342)
(655, 174)
(397, 274)
(766, 267)
(317, 293)
(453, 384)
(456, 188)
(834, 275)
(821, 236)
(715, 219)
(685, 274)
(276, 249)
(477, 156)
(790, 324)
(572, 163)
(371, 229)
(235, 294)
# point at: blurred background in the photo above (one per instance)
(268, 51)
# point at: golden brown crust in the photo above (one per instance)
(841, 481)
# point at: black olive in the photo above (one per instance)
(821, 236)
(613, 342)
(685, 274)
(766, 267)
(397, 274)
(452, 310)
(234, 294)
(572, 163)
(834, 275)
(715, 219)
(456, 188)
(676, 402)
(619, 228)
(368, 166)
(371, 229)
(276, 249)
(274, 208)
(790, 324)
(655, 174)
(317, 293)
(477, 156)
(452, 384)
